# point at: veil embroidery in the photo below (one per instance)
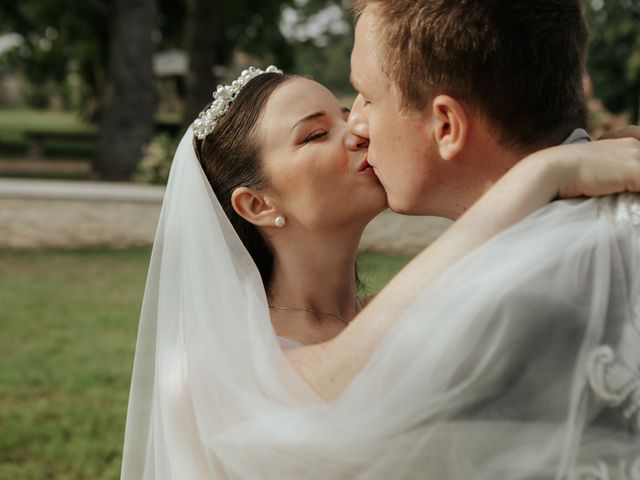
(615, 383)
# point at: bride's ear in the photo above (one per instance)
(253, 206)
(450, 126)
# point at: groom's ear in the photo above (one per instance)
(450, 125)
(252, 205)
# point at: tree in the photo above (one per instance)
(321, 34)
(215, 29)
(202, 22)
(108, 44)
(614, 54)
(130, 99)
(59, 35)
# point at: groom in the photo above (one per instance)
(454, 94)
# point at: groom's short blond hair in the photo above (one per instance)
(520, 62)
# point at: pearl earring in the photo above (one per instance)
(280, 221)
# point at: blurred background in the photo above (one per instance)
(94, 83)
(94, 96)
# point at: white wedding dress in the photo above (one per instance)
(520, 362)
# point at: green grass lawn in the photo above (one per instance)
(14, 122)
(68, 322)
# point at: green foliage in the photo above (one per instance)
(66, 35)
(325, 58)
(14, 123)
(252, 26)
(328, 65)
(60, 36)
(614, 55)
(67, 334)
(156, 162)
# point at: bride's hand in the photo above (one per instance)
(631, 131)
(594, 169)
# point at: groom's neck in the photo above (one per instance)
(485, 161)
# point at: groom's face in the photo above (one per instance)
(400, 148)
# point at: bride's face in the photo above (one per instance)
(313, 166)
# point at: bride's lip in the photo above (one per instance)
(365, 166)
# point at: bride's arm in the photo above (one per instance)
(598, 168)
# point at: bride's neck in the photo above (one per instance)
(316, 272)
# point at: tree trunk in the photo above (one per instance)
(128, 120)
(201, 49)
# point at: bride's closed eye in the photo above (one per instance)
(315, 135)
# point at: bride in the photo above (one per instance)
(256, 360)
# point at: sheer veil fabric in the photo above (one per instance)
(521, 362)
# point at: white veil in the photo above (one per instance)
(521, 362)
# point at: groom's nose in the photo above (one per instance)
(355, 142)
(357, 123)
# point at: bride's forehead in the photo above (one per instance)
(299, 97)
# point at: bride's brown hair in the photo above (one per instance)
(230, 157)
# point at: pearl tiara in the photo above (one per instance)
(223, 97)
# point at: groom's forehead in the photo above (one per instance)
(366, 73)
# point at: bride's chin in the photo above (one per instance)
(371, 210)
(373, 190)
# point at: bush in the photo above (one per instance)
(156, 161)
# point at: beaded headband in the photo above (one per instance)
(223, 97)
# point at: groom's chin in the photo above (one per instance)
(418, 205)
(404, 205)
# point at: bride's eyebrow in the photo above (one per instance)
(307, 118)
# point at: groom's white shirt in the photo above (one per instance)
(579, 135)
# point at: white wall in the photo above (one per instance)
(42, 213)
